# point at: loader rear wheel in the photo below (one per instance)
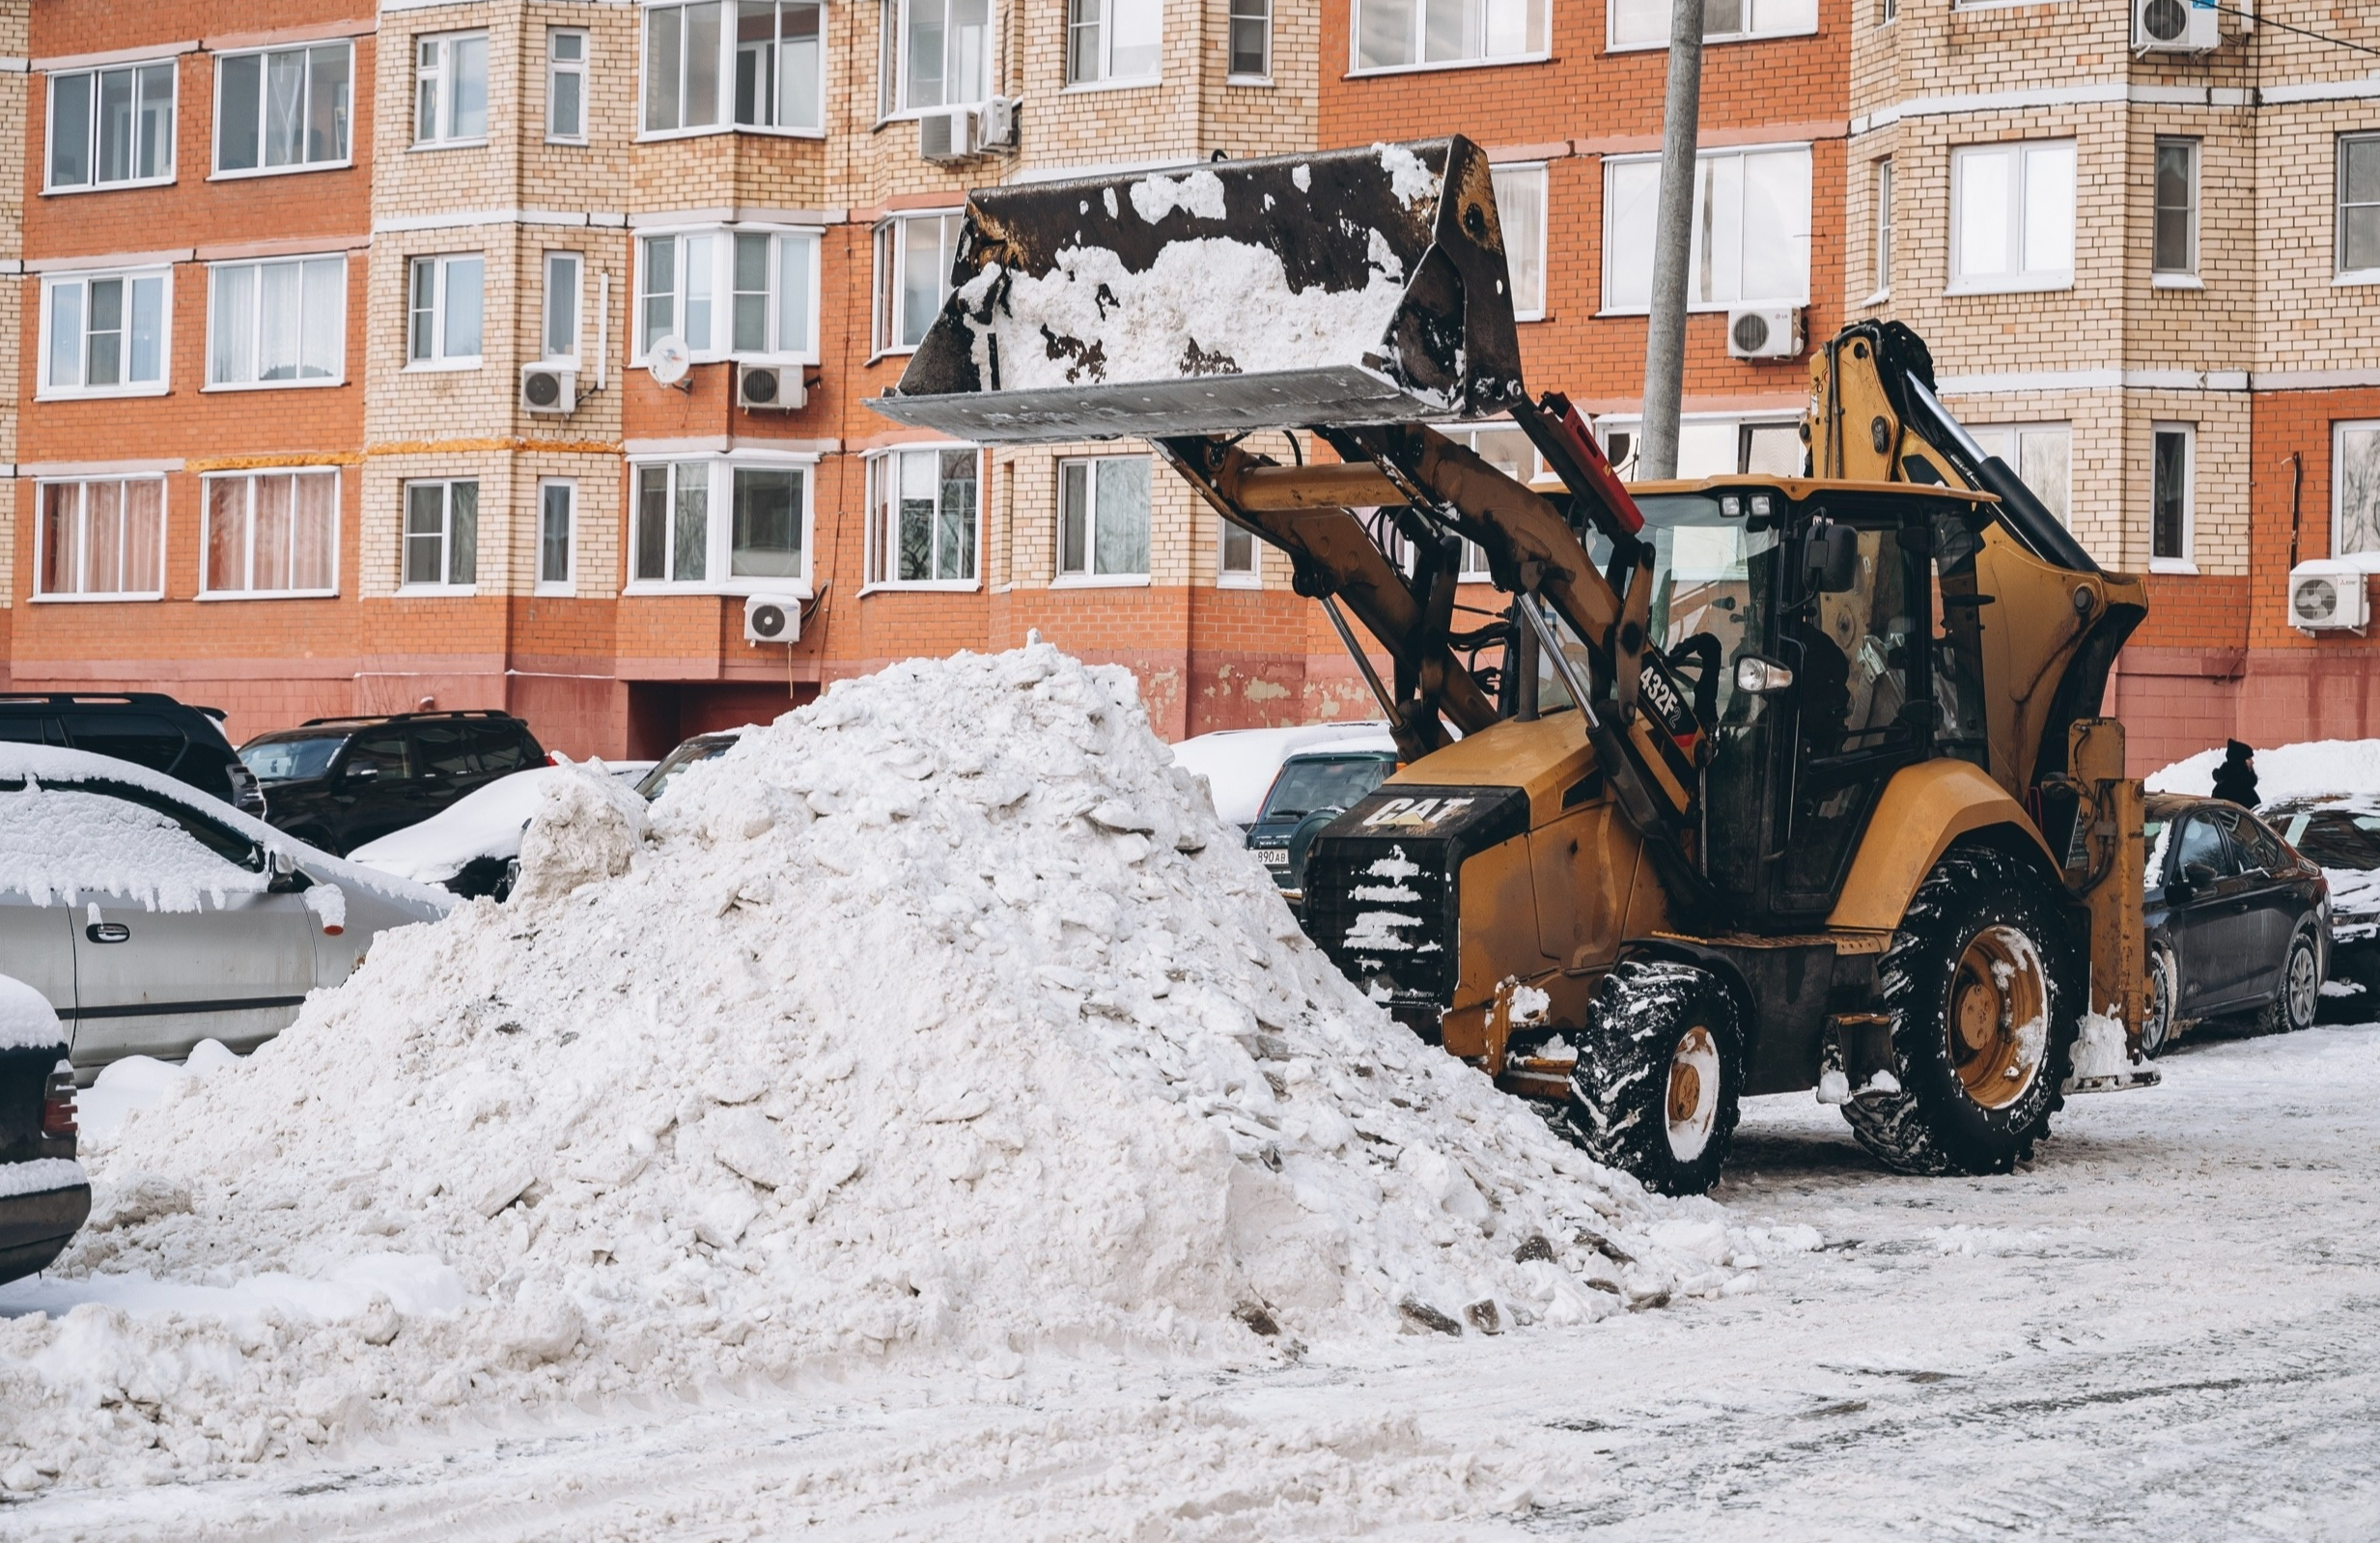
(1983, 1000)
(1659, 1074)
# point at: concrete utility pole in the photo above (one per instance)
(1664, 342)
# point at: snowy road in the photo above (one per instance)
(2160, 1331)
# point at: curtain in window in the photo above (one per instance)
(231, 349)
(144, 536)
(282, 320)
(227, 533)
(269, 561)
(314, 555)
(462, 533)
(102, 537)
(1122, 504)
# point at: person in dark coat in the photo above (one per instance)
(2236, 779)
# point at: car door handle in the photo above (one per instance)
(108, 932)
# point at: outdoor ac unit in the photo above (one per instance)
(770, 388)
(949, 135)
(2326, 593)
(1765, 332)
(2175, 26)
(772, 619)
(998, 121)
(548, 388)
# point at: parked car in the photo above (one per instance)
(1314, 788)
(701, 747)
(43, 1195)
(2238, 922)
(1241, 765)
(2341, 832)
(151, 917)
(337, 783)
(147, 728)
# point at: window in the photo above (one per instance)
(2359, 206)
(922, 529)
(1887, 10)
(1252, 39)
(2012, 217)
(2170, 511)
(2355, 488)
(284, 109)
(2176, 244)
(1751, 234)
(278, 323)
(747, 64)
(1712, 447)
(1884, 227)
(566, 86)
(1104, 518)
(752, 294)
(1419, 33)
(557, 536)
(1520, 212)
(444, 321)
(762, 544)
(272, 533)
(441, 535)
(1235, 555)
(561, 330)
(2040, 453)
(111, 128)
(938, 53)
(913, 255)
(1510, 451)
(1111, 41)
(103, 539)
(103, 334)
(1646, 23)
(450, 88)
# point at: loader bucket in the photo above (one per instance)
(1360, 286)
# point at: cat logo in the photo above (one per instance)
(1415, 814)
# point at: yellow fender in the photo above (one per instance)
(1924, 809)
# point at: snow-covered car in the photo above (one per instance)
(701, 747)
(2342, 833)
(2238, 922)
(151, 917)
(43, 1194)
(1241, 765)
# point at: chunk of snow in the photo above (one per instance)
(27, 1021)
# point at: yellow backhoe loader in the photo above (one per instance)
(1762, 784)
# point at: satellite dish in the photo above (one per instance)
(669, 361)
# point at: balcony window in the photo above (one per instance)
(740, 291)
(923, 508)
(937, 53)
(445, 312)
(441, 534)
(111, 128)
(284, 109)
(742, 64)
(102, 539)
(1113, 41)
(1752, 229)
(278, 322)
(450, 88)
(2012, 217)
(1421, 34)
(677, 542)
(1103, 519)
(104, 334)
(271, 533)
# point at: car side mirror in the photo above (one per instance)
(1831, 558)
(282, 875)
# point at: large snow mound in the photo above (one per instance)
(2304, 770)
(941, 1024)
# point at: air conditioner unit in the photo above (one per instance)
(2325, 594)
(772, 619)
(998, 121)
(1765, 332)
(948, 136)
(548, 388)
(2175, 26)
(770, 388)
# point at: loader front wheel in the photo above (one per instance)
(1979, 983)
(1660, 1075)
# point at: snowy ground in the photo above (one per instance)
(2157, 1332)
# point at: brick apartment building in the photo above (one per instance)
(284, 269)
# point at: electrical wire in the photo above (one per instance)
(2267, 21)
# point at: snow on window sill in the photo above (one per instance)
(2176, 281)
(1366, 71)
(1879, 297)
(551, 591)
(2173, 565)
(1239, 581)
(1248, 80)
(265, 594)
(1099, 581)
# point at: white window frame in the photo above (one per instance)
(1542, 50)
(41, 553)
(555, 69)
(1880, 218)
(1798, 28)
(727, 122)
(2338, 214)
(2187, 561)
(720, 521)
(2018, 433)
(49, 121)
(2018, 280)
(1259, 11)
(881, 540)
(337, 378)
(446, 535)
(439, 360)
(2185, 277)
(892, 101)
(568, 583)
(1741, 424)
(554, 258)
(1534, 171)
(2338, 483)
(723, 292)
(217, 172)
(1613, 237)
(44, 391)
(892, 274)
(207, 588)
(1107, 79)
(1252, 577)
(1088, 578)
(1472, 566)
(443, 135)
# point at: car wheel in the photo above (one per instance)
(2301, 990)
(2164, 989)
(1660, 1075)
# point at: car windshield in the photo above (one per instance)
(285, 760)
(2336, 838)
(1304, 786)
(658, 780)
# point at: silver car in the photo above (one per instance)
(154, 916)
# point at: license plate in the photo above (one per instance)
(1272, 856)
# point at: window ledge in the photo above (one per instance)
(241, 174)
(2173, 565)
(1239, 581)
(1525, 317)
(2361, 275)
(545, 591)
(738, 589)
(440, 366)
(1879, 297)
(1706, 307)
(271, 385)
(100, 393)
(1248, 80)
(437, 590)
(1663, 46)
(909, 115)
(920, 586)
(653, 137)
(2176, 281)
(2064, 281)
(892, 353)
(1452, 63)
(1084, 88)
(419, 146)
(96, 600)
(212, 594)
(1099, 581)
(108, 187)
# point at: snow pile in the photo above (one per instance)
(940, 1026)
(27, 1021)
(488, 823)
(2312, 770)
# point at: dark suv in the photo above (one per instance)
(338, 783)
(147, 728)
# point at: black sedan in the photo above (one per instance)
(2238, 922)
